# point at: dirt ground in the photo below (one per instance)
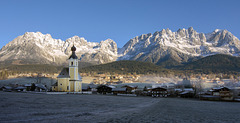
(29, 107)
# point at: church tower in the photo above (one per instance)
(69, 79)
(73, 65)
(75, 84)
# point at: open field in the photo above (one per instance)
(28, 80)
(29, 107)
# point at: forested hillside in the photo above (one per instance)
(126, 67)
(214, 64)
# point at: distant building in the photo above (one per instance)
(159, 92)
(105, 89)
(186, 83)
(69, 79)
(224, 93)
(116, 91)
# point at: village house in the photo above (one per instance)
(187, 93)
(7, 88)
(236, 92)
(130, 88)
(20, 88)
(223, 92)
(86, 89)
(54, 87)
(159, 92)
(117, 91)
(105, 89)
(184, 92)
(40, 88)
(126, 89)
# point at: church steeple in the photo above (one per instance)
(73, 64)
(73, 56)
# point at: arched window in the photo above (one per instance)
(71, 63)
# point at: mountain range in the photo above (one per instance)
(164, 48)
(169, 48)
(39, 48)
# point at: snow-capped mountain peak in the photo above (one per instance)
(183, 45)
(162, 46)
(42, 48)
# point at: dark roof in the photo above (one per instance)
(74, 56)
(220, 89)
(130, 86)
(55, 84)
(119, 89)
(19, 88)
(92, 85)
(28, 85)
(64, 73)
(105, 86)
(41, 86)
(159, 89)
(7, 87)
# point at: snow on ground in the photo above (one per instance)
(27, 107)
(28, 80)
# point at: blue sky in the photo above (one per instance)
(120, 20)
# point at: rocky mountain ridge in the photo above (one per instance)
(40, 48)
(179, 47)
(164, 47)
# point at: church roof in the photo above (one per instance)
(64, 73)
(73, 56)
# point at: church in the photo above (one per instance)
(69, 79)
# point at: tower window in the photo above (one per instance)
(72, 63)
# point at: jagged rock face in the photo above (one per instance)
(163, 47)
(180, 46)
(104, 52)
(39, 48)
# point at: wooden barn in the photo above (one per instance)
(130, 89)
(104, 89)
(224, 93)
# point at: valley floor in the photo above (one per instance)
(28, 107)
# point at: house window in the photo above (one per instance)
(67, 87)
(72, 63)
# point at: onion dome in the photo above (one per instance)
(73, 56)
(73, 48)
